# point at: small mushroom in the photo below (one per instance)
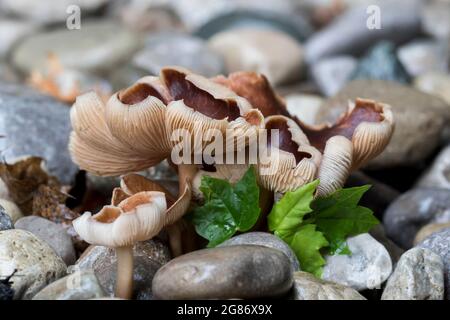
(137, 218)
(293, 162)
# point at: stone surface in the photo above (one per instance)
(263, 51)
(11, 31)
(149, 256)
(5, 220)
(308, 287)
(367, 267)
(437, 84)
(332, 74)
(438, 175)
(48, 11)
(419, 119)
(436, 18)
(349, 34)
(36, 263)
(264, 239)
(428, 230)
(34, 124)
(53, 234)
(11, 209)
(414, 209)
(304, 106)
(424, 56)
(80, 285)
(225, 273)
(166, 49)
(439, 243)
(419, 275)
(381, 63)
(96, 47)
(379, 234)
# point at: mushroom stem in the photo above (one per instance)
(186, 173)
(124, 285)
(175, 243)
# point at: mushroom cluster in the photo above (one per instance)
(134, 131)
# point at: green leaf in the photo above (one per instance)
(227, 208)
(287, 214)
(306, 243)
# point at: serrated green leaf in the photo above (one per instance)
(247, 191)
(287, 214)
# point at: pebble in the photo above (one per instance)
(36, 263)
(414, 209)
(80, 285)
(381, 63)
(262, 51)
(304, 107)
(264, 239)
(53, 234)
(438, 174)
(96, 47)
(236, 272)
(48, 11)
(308, 287)
(11, 209)
(424, 56)
(149, 256)
(37, 125)
(428, 230)
(165, 49)
(5, 220)
(419, 275)
(435, 83)
(367, 267)
(439, 243)
(11, 31)
(332, 74)
(349, 34)
(379, 234)
(414, 111)
(436, 18)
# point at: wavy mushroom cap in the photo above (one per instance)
(137, 218)
(293, 162)
(367, 124)
(201, 104)
(136, 117)
(92, 145)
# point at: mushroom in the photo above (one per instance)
(136, 218)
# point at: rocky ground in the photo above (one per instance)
(317, 54)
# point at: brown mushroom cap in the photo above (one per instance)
(296, 162)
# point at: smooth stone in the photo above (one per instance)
(349, 34)
(439, 243)
(48, 11)
(36, 262)
(80, 285)
(37, 125)
(96, 47)
(236, 272)
(262, 51)
(149, 256)
(332, 74)
(438, 174)
(264, 239)
(144, 16)
(428, 230)
(413, 110)
(166, 49)
(367, 267)
(424, 56)
(55, 235)
(304, 106)
(11, 209)
(5, 220)
(4, 192)
(379, 234)
(124, 76)
(413, 210)
(381, 63)
(11, 31)
(7, 73)
(436, 18)
(437, 84)
(308, 287)
(419, 275)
